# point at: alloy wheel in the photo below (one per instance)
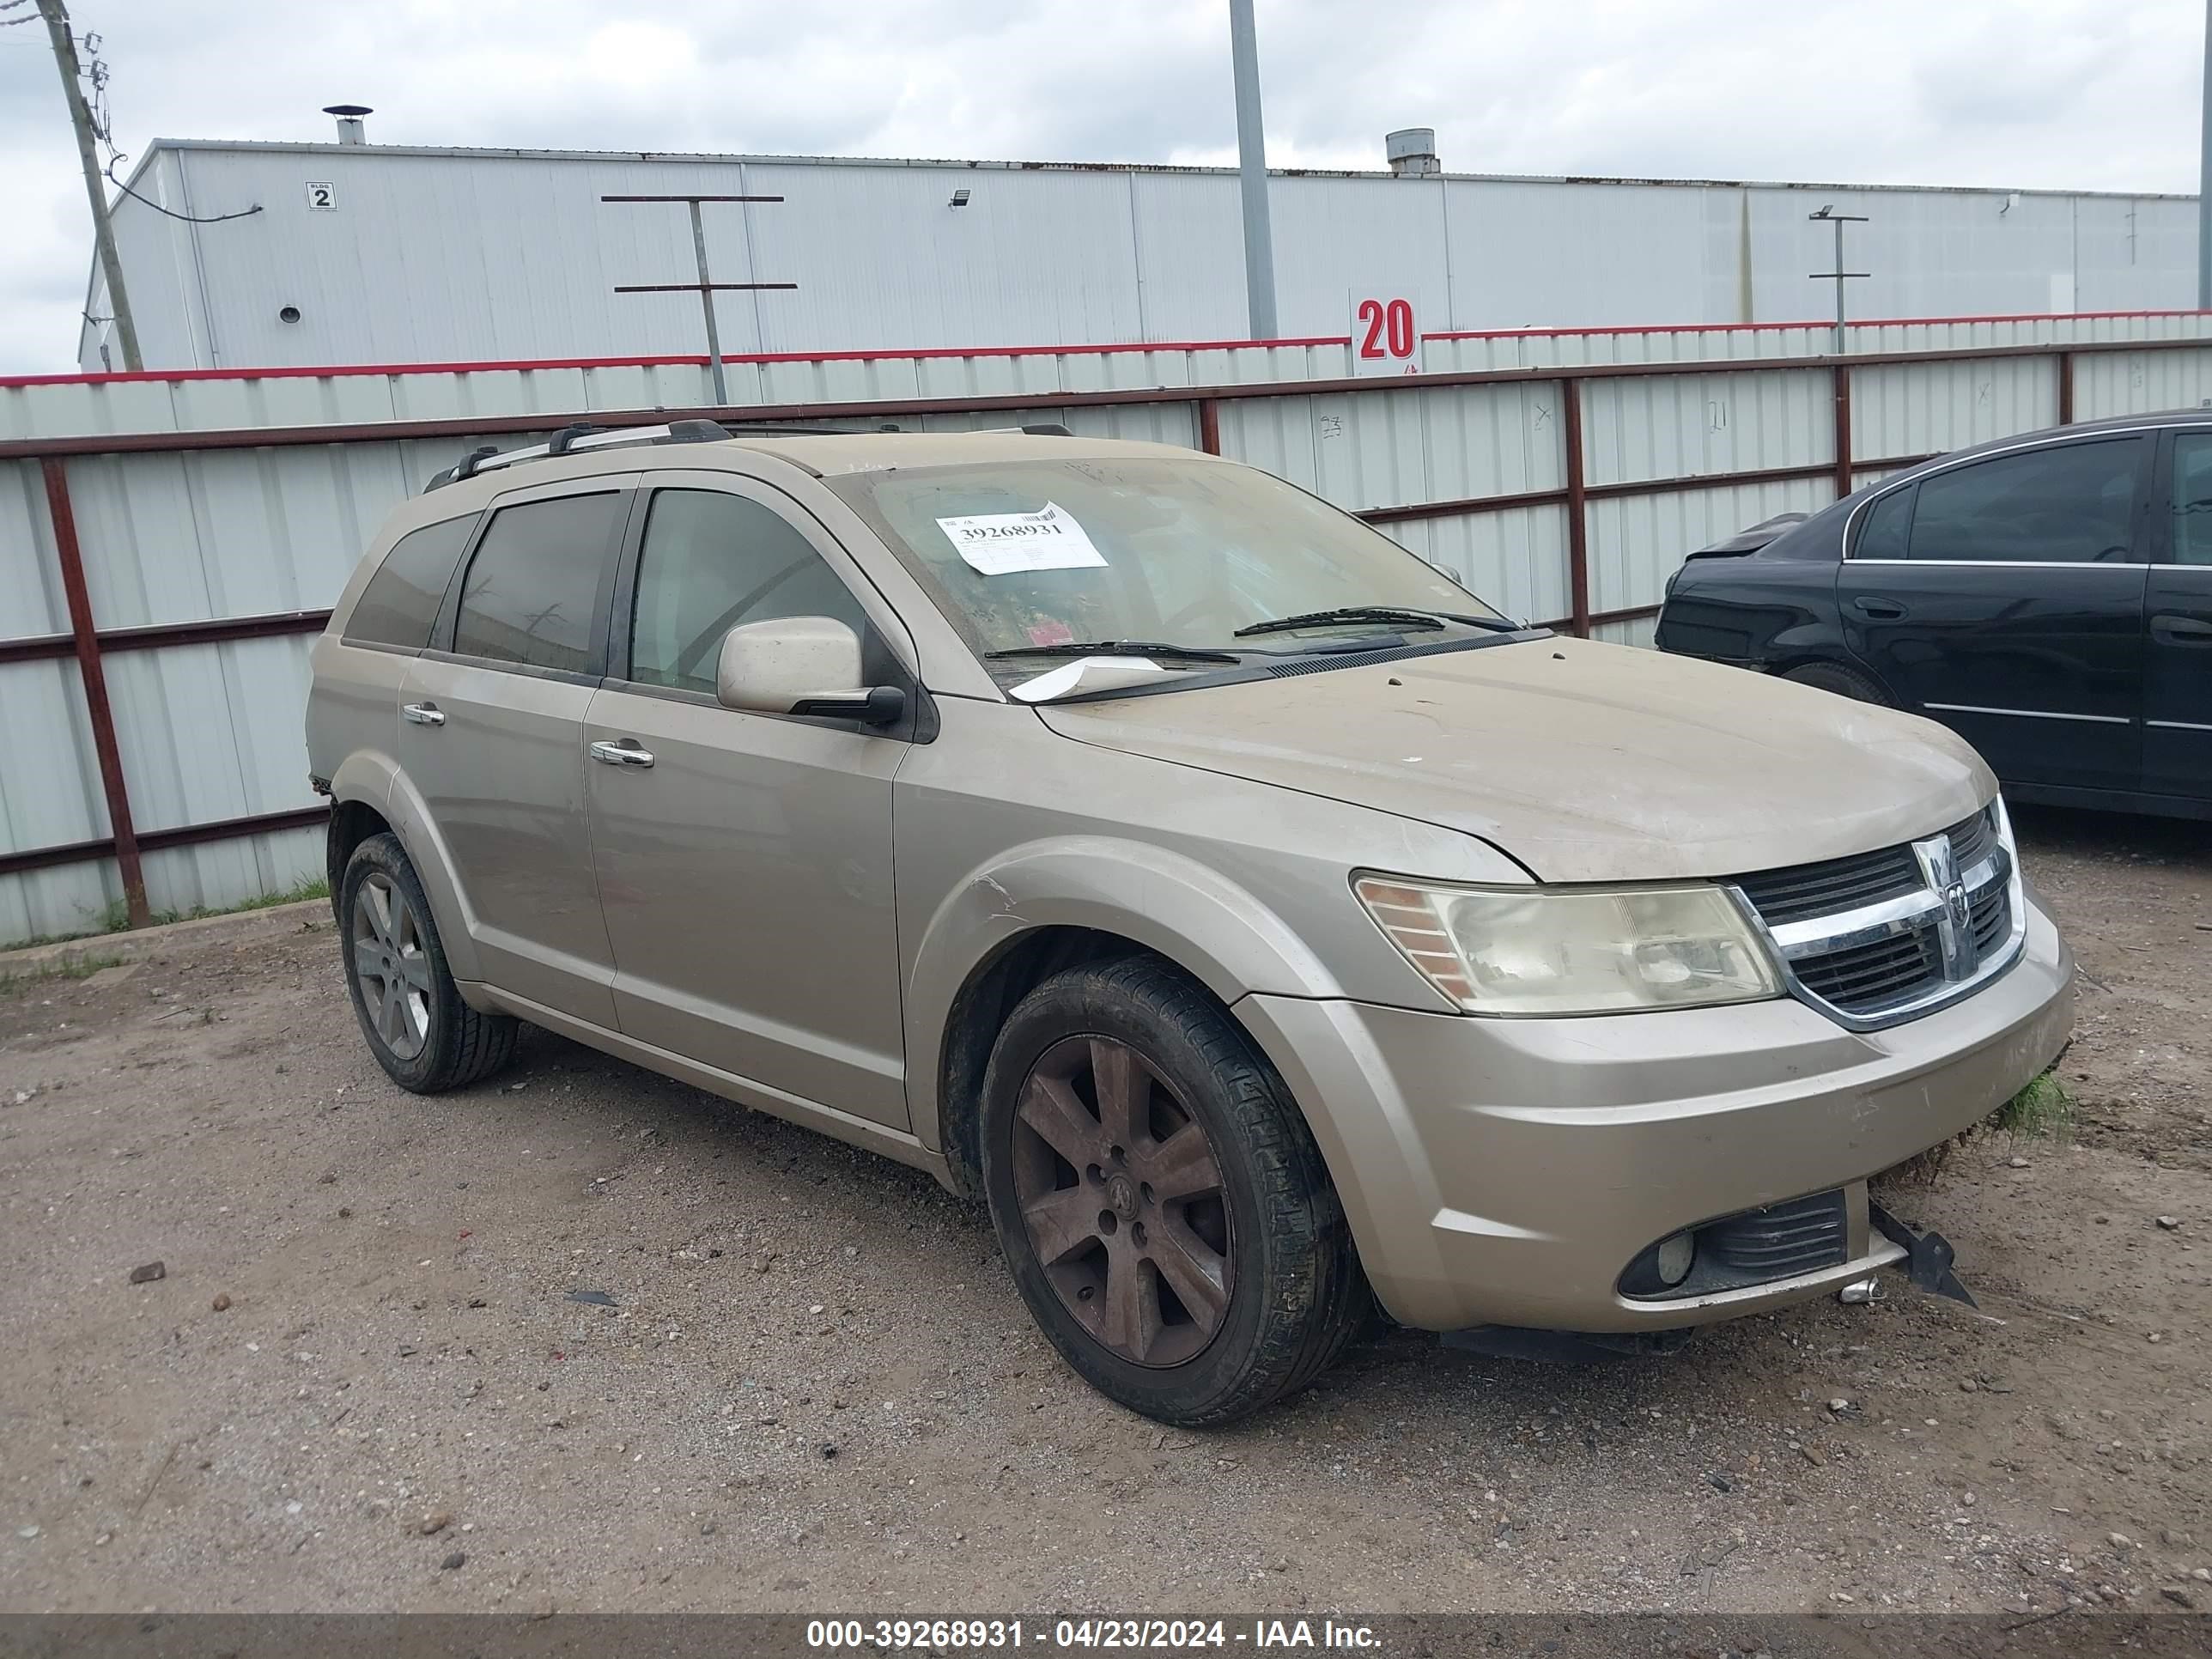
(1120, 1194)
(390, 965)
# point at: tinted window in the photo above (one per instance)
(2192, 498)
(1881, 532)
(402, 598)
(533, 587)
(710, 562)
(2072, 503)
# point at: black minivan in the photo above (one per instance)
(2049, 597)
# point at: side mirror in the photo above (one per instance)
(801, 665)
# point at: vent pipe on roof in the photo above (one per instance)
(350, 131)
(1413, 152)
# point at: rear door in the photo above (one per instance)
(2004, 597)
(2178, 633)
(491, 738)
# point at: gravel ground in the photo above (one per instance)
(367, 1382)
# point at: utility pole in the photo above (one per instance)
(103, 235)
(1252, 173)
(1838, 276)
(2205, 174)
(706, 287)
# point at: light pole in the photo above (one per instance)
(1252, 173)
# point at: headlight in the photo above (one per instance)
(1561, 950)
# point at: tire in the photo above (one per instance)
(427, 1040)
(1844, 682)
(1123, 1292)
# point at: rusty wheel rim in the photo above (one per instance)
(1120, 1195)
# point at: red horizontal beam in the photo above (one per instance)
(877, 408)
(152, 840)
(698, 358)
(152, 635)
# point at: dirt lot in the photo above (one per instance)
(816, 1389)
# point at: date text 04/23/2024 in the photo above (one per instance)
(1164, 1635)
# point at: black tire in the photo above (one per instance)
(1295, 1294)
(457, 1044)
(1844, 682)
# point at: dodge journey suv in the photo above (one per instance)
(1262, 924)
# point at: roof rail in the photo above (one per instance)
(577, 439)
(582, 437)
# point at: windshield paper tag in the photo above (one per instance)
(1001, 544)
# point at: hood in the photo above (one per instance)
(1583, 762)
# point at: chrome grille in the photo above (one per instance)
(1882, 936)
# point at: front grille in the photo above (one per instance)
(1866, 978)
(1822, 890)
(1903, 963)
(1780, 1241)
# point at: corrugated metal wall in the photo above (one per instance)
(428, 255)
(210, 732)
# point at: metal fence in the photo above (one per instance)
(159, 587)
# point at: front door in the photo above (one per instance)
(2004, 597)
(744, 861)
(491, 738)
(2178, 635)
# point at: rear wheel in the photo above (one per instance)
(1159, 1199)
(1844, 682)
(426, 1038)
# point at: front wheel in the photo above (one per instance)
(1160, 1201)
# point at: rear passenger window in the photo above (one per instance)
(2066, 504)
(402, 598)
(1881, 532)
(532, 589)
(2192, 498)
(711, 561)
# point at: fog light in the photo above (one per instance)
(1673, 1258)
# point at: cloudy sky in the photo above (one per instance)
(2099, 94)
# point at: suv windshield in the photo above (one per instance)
(1027, 556)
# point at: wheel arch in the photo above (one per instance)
(1037, 909)
(370, 790)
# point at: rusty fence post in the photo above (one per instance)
(97, 708)
(1209, 425)
(2065, 388)
(1578, 581)
(1845, 484)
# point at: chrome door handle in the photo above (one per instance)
(625, 753)
(423, 713)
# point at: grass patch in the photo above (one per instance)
(2043, 1110)
(75, 968)
(116, 919)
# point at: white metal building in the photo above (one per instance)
(366, 253)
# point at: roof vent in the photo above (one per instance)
(1413, 152)
(350, 131)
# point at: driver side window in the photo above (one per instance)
(710, 561)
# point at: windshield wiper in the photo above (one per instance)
(1395, 615)
(1117, 648)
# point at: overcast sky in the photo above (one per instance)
(2099, 94)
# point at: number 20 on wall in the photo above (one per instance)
(1385, 337)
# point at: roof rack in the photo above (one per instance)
(582, 437)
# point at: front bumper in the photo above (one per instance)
(1506, 1171)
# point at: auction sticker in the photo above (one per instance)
(1001, 543)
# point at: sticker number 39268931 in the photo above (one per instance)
(1001, 543)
